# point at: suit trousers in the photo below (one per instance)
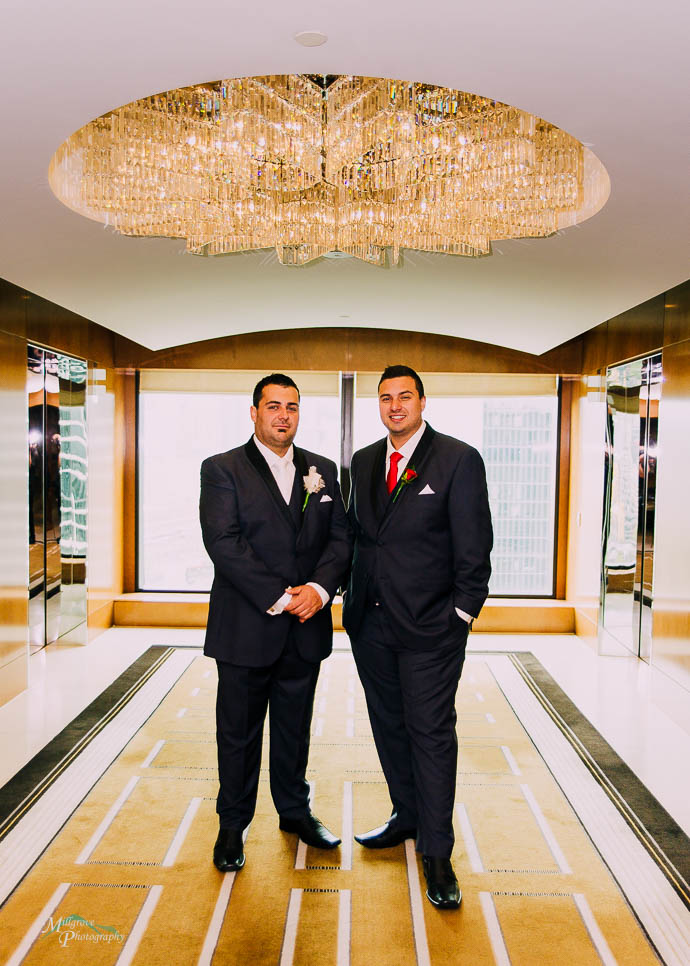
(286, 688)
(411, 702)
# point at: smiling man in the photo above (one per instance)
(420, 513)
(274, 525)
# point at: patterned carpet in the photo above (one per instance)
(106, 840)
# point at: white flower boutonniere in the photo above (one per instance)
(313, 482)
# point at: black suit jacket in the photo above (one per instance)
(424, 553)
(259, 545)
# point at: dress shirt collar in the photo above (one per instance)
(281, 462)
(407, 449)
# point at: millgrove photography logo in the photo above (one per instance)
(75, 929)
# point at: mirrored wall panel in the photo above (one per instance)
(56, 390)
(633, 391)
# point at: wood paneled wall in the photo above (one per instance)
(351, 350)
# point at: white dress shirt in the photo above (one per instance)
(283, 470)
(406, 450)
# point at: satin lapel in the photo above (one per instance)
(301, 470)
(377, 485)
(264, 471)
(416, 463)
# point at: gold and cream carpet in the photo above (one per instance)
(106, 839)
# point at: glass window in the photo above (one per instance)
(517, 436)
(178, 428)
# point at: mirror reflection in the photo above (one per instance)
(56, 388)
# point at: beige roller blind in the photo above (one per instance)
(437, 384)
(232, 381)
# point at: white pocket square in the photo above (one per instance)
(425, 492)
(326, 498)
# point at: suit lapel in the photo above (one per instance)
(264, 471)
(416, 462)
(377, 484)
(298, 494)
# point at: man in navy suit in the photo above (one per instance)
(420, 513)
(274, 525)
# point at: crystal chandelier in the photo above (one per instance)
(314, 164)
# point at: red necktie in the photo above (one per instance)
(392, 477)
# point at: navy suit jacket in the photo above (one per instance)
(259, 545)
(423, 553)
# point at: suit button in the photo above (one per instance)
(379, 543)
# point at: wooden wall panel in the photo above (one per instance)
(37, 320)
(636, 332)
(353, 349)
(677, 315)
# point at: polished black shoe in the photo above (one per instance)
(310, 830)
(228, 852)
(386, 836)
(442, 888)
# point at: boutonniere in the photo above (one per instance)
(313, 482)
(409, 474)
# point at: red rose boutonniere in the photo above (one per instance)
(409, 474)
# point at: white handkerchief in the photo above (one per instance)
(425, 492)
(326, 498)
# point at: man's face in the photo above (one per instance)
(276, 418)
(401, 408)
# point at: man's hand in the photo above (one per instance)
(305, 602)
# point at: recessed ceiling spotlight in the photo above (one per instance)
(311, 38)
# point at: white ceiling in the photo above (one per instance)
(611, 72)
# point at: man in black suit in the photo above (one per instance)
(420, 573)
(274, 525)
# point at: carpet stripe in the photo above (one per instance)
(181, 833)
(153, 754)
(512, 764)
(217, 919)
(418, 926)
(36, 927)
(111, 814)
(287, 953)
(595, 934)
(346, 835)
(471, 847)
(344, 927)
(301, 857)
(141, 924)
(545, 829)
(493, 927)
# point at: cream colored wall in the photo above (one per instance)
(588, 422)
(105, 480)
(14, 518)
(671, 612)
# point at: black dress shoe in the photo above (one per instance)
(442, 888)
(228, 852)
(310, 830)
(386, 836)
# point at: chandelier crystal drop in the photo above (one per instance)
(311, 165)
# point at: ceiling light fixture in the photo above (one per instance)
(314, 164)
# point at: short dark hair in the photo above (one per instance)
(395, 372)
(275, 379)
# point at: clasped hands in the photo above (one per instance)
(305, 602)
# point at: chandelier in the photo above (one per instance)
(315, 164)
